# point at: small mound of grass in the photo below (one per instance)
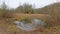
(27, 20)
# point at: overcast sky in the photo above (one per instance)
(37, 3)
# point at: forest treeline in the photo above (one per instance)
(53, 10)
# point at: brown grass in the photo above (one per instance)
(12, 29)
(30, 15)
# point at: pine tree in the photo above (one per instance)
(3, 11)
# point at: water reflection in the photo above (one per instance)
(29, 26)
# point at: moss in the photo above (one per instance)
(11, 28)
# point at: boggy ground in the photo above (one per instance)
(8, 28)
